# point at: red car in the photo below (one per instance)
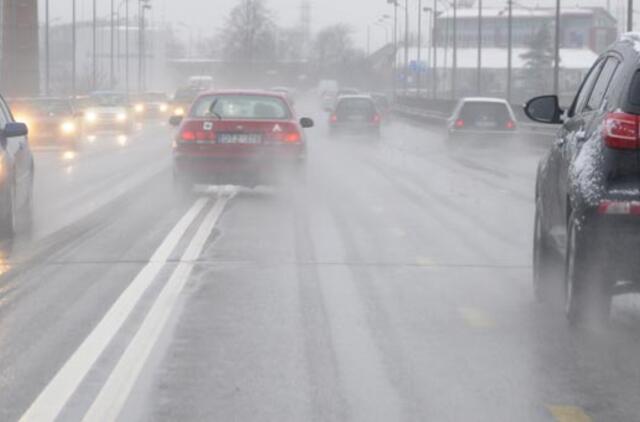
(245, 138)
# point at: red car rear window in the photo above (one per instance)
(243, 107)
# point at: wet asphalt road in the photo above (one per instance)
(394, 285)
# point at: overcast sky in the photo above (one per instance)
(206, 16)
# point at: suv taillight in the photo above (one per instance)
(621, 131)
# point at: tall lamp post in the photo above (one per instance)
(47, 68)
(419, 64)
(395, 45)
(406, 46)
(434, 45)
(509, 48)
(556, 68)
(73, 48)
(94, 50)
(143, 6)
(454, 70)
(112, 76)
(630, 16)
(126, 46)
(479, 74)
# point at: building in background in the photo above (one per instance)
(580, 27)
(19, 64)
(154, 58)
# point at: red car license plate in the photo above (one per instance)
(240, 138)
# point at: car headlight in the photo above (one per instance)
(179, 111)
(68, 128)
(91, 116)
(121, 117)
(164, 107)
(139, 108)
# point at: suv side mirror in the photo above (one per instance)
(306, 122)
(14, 130)
(545, 109)
(175, 120)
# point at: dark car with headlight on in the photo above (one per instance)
(52, 122)
(151, 105)
(108, 111)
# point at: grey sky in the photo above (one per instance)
(208, 15)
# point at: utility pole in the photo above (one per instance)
(556, 69)
(395, 46)
(95, 53)
(140, 43)
(479, 75)
(126, 47)
(112, 55)
(47, 70)
(630, 16)
(73, 48)
(419, 66)
(434, 70)
(509, 48)
(406, 45)
(454, 71)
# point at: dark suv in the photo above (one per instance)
(587, 224)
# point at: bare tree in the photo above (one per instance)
(249, 33)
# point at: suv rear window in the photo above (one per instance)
(480, 114)
(247, 107)
(355, 106)
(634, 91)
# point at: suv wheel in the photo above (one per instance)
(547, 271)
(588, 294)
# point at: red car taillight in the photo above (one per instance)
(511, 124)
(376, 118)
(459, 123)
(194, 132)
(621, 131)
(608, 207)
(333, 118)
(290, 134)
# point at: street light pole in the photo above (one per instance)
(47, 69)
(419, 66)
(394, 69)
(630, 16)
(126, 47)
(454, 70)
(556, 69)
(73, 48)
(434, 70)
(406, 45)
(95, 53)
(111, 60)
(479, 75)
(509, 48)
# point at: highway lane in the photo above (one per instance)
(393, 285)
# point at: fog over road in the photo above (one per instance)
(394, 284)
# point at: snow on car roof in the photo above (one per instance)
(484, 100)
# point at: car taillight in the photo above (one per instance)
(376, 118)
(333, 118)
(511, 124)
(608, 207)
(195, 132)
(621, 131)
(459, 123)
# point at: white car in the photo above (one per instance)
(482, 118)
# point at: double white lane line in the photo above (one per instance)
(111, 399)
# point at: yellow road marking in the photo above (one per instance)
(476, 318)
(568, 414)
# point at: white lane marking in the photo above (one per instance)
(55, 395)
(114, 393)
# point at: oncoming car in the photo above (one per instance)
(51, 121)
(151, 105)
(245, 138)
(357, 115)
(481, 119)
(108, 112)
